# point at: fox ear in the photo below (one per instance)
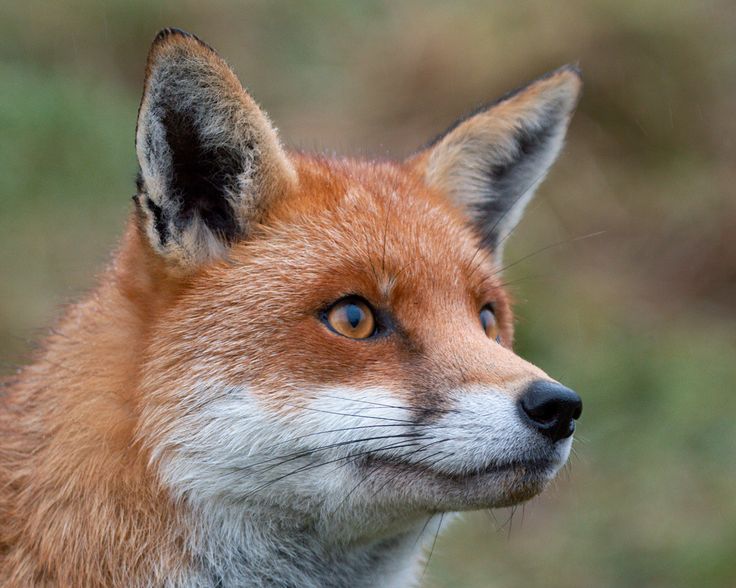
(490, 162)
(210, 161)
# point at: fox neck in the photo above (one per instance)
(268, 549)
(71, 420)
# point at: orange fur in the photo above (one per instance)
(81, 503)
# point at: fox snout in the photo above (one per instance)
(551, 409)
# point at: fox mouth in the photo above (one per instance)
(493, 485)
(532, 465)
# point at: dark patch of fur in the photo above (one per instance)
(162, 229)
(201, 176)
(508, 181)
(173, 31)
(139, 183)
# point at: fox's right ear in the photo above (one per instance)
(210, 160)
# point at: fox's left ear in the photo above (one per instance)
(490, 162)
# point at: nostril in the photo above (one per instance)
(551, 409)
(541, 413)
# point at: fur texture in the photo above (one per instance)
(194, 422)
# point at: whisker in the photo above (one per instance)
(580, 439)
(359, 427)
(384, 405)
(307, 452)
(314, 466)
(511, 522)
(533, 182)
(424, 528)
(357, 416)
(426, 468)
(492, 516)
(523, 513)
(543, 249)
(434, 543)
(505, 213)
(385, 234)
(523, 279)
(368, 475)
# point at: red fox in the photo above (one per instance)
(294, 365)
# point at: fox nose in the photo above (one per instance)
(551, 409)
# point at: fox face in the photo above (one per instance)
(330, 340)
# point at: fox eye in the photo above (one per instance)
(351, 317)
(488, 322)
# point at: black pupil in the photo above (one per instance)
(354, 315)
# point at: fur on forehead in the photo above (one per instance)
(378, 211)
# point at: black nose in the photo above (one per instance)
(551, 409)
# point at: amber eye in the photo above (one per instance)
(351, 317)
(488, 322)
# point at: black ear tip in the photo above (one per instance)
(169, 32)
(174, 32)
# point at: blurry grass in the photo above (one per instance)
(641, 320)
(67, 166)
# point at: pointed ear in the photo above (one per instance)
(210, 161)
(490, 162)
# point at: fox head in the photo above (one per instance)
(331, 338)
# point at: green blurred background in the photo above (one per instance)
(641, 319)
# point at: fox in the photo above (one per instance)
(296, 368)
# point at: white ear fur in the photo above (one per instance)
(490, 162)
(210, 160)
